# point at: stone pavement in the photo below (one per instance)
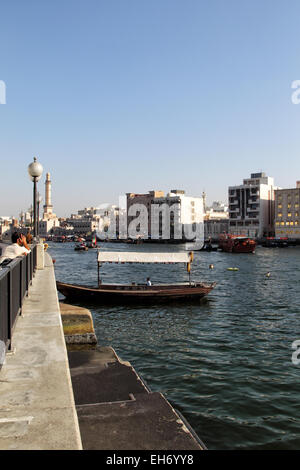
(37, 409)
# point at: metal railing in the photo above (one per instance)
(15, 280)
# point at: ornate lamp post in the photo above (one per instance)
(35, 171)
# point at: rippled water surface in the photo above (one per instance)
(224, 362)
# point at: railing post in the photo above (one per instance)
(9, 309)
(21, 285)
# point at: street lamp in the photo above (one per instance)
(39, 200)
(35, 171)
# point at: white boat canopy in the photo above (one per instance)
(140, 257)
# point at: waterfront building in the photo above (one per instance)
(5, 226)
(216, 220)
(182, 209)
(145, 200)
(213, 228)
(47, 225)
(218, 210)
(287, 220)
(82, 225)
(85, 222)
(252, 206)
(92, 220)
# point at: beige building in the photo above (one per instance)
(216, 220)
(146, 200)
(287, 210)
(166, 215)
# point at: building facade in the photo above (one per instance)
(216, 221)
(171, 216)
(252, 206)
(287, 220)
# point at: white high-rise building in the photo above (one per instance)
(251, 206)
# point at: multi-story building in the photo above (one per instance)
(83, 225)
(251, 206)
(145, 200)
(166, 215)
(216, 220)
(47, 225)
(5, 226)
(287, 210)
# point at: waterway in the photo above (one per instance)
(224, 362)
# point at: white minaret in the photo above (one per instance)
(48, 206)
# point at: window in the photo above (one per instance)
(279, 206)
(279, 214)
(289, 214)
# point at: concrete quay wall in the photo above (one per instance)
(86, 398)
(37, 409)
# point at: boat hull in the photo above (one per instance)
(135, 294)
(235, 244)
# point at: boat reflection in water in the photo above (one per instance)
(122, 293)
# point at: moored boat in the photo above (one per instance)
(236, 244)
(81, 247)
(122, 293)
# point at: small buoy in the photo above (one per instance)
(268, 274)
(232, 269)
(211, 266)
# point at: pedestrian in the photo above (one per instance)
(18, 247)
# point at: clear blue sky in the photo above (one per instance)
(131, 95)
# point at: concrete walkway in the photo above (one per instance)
(37, 409)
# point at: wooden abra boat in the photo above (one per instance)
(122, 293)
(236, 244)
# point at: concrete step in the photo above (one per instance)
(98, 377)
(117, 411)
(147, 422)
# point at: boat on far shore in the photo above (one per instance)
(81, 247)
(236, 243)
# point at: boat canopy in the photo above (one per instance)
(140, 257)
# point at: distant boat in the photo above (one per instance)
(272, 242)
(236, 244)
(122, 293)
(92, 243)
(81, 247)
